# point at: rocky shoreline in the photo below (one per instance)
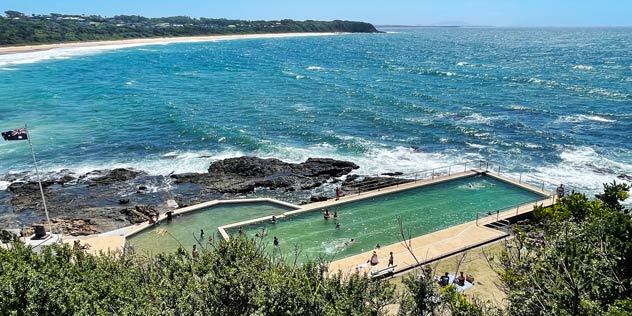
(104, 200)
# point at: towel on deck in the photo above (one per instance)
(363, 265)
(465, 286)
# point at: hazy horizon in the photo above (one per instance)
(499, 13)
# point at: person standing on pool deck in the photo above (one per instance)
(275, 242)
(337, 193)
(560, 191)
(390, 260)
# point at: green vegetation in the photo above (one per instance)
(19, 29)
(576, 259)
(230, 278)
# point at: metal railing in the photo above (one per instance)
(381, 181)
(480, 216)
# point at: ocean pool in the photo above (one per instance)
(373, 221)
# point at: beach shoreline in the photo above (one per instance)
(152, 41)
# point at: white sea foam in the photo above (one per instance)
(377, 158)
(57, 53)
(8, 69)
(4, 185)
(518, 107)
(583, 117)
(299, 77)
(607, 93)
(476, 118)
(314, 68)
(175, 161)
(530, 145)
(476, 146)
(583, 67)
(583, 168)
(462, 63)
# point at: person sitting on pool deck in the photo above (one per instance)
(373, 261)
(460, 280)
(326, 214)
(444, 280)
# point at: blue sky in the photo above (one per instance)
(411, 12)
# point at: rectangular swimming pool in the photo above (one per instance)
(372, 221)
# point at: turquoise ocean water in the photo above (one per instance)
(556, 103)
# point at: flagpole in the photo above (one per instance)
(39, 181)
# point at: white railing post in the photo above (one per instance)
(449, 169)
(465, 168)
(432, 173)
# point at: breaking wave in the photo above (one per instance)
(583, 117)
(56, 54)
(583, 67)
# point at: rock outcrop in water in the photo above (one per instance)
(106, 177)
(244, 174)
(139, 213)
(92, 202)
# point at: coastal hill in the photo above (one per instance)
(17, 28)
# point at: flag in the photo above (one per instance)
(16, 134)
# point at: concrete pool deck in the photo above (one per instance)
(96, 245)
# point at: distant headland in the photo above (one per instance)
(20, 29)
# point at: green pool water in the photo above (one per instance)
(185, 229)
(374, 221)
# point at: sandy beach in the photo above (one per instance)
(150, 41)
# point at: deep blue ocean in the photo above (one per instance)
(552, 102)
